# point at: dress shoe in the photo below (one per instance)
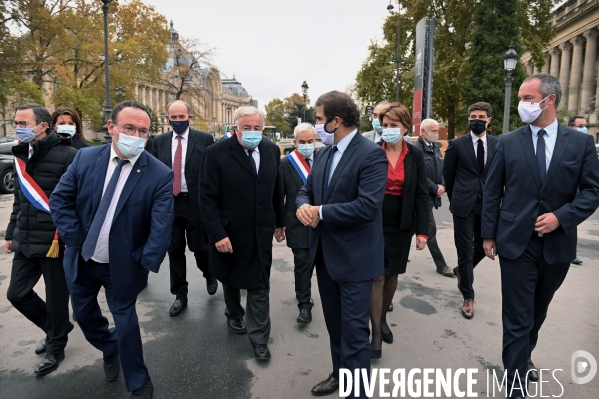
(533, 373)
(576, 261)
(211, 285)
(388, 338)
(390, 309)
(305, 316)
(261, 352)
(326, 387)
(468, 308)
(178, 307)
(237, 326)
(456, 272)
(143, 392)
(50, 363)
(40, 349)
(445, 271)
(112, 367)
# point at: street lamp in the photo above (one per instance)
(305, 93)
(509, 62)
(120, 93)
(107, 105)
(228, 114)
(398, 60)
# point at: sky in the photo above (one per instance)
(273, 46)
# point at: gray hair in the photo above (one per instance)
(549, 85)
(247, 111)
(424, 124)
(303, 127)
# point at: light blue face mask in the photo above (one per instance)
(251, 139)
(130, 146)
(583, 129)
(67, 129)
(392, 136)
(376, 125)
(25, 134)
(306, 149)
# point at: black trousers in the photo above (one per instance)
(187, 230)
(469, 245)
(303, 276)
(257, 313)
(528, 284)
(432, 244)
(52, 316)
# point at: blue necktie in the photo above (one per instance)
(91, 241)
(327, 170)
(541, 162)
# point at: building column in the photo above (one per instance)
(575, 74)
(588, 77)
(555, 56)
(564, 71)
(546, 65)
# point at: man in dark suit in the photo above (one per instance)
(342, 200)
(465, 169)
(114, 209)
(294, 172)
(543, 182)
(242, 206)
(182, 150)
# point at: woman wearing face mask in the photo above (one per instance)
(66, 122)
(405, 212)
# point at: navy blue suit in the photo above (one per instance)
(139, 239)
(533, 267)
(347, 246)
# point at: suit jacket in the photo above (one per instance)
(237, 203)
(297, 235)
(196, 146)
(371, 135)
(514, 196)
(415, 205)
(434, 168)
(141, 228)
(463, 181)
(351, 232)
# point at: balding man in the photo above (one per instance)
(429, 134)
(182, 150)
(375, 134)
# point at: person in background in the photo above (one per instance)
(66, 121)
(375, 134)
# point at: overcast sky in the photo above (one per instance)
(272, 46)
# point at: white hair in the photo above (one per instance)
(303, 127)
(247, 111)
(425, 123)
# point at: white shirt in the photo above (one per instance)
(30, 152)
(174, 144)
(377, 137)
(256, 156)
(550, 138)
(475, 143)
(101, 253)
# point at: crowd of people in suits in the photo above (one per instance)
(87, 218)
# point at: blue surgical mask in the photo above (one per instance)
(179, 126)
(583, 129)
(392, 136)
(25, 134)
(327, 138)
(67, 129)
(376, 125)
(251, 139)
(130, 146)
(306, 149)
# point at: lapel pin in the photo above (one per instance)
(138, 171)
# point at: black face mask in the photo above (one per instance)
(477, 126)
(325, 126)
(179, 126)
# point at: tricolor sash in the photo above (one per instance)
(300, 165)
(230, 133)
(30, 188)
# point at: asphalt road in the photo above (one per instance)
(195, 356)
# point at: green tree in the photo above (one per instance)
(275, 116)
(154, 122)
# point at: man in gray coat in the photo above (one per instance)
(294, 171)
(375, 134)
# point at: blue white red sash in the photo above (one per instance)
(230, 133)
(300, 165)
(30, 188)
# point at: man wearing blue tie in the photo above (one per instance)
(114, 210)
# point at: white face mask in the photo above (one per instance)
(66, 129)
(530, 111)
(327, 138)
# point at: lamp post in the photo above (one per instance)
(228, 114)
(398, 60)
(120, 93)
(107, 105)
(509, 62)
(305, 93)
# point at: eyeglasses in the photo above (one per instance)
(130, 131)
(16, 124)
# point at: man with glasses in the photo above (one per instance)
(465, 168)
(114, 210)
(41, 158)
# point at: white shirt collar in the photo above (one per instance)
(184, 135)
(551, 130)
(475, 138)
(342, 145)
(113, 155)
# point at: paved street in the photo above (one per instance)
(195, 356)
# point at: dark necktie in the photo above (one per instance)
(177, 167)
(480, 156)
(91, 241)
(308, 160)
(542, 164)
(252, 162)
(327, 170)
